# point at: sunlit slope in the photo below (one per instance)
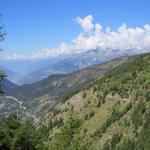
(114, 110)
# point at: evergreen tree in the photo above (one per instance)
(25, 138)
(8, 128)
(71, 136)
(16, 134)
(2, 74)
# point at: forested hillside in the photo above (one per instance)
(113, 113)
(110, 114)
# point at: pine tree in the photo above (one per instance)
(2, 74)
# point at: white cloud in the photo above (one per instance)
(44, 53)
(86, 23)
(95, 36)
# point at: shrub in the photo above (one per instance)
(94, 89)
(83, 95)
(99, 103)
(116, 115)
(137, 114)
(147, 96)
(126, 144)
(92, 113)
(86, 117)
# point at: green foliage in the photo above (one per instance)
(68, 95)
(65, 137)
(92, 113)
(58, 122)
(111, 144)
(70, 136)
(137, 114)
(43, 131)
(55, 123)
(86, 117)
(126, 144)
(55, 111)
(144, 135)
(147, 96)
(8, 129)
(19, 135)
(94, 89)
(123, 80)
(2, 74)
(99, 103)
(89, 115)
(115, 116)
(2, 33)
(25, 138)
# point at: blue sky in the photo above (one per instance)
(35, 24)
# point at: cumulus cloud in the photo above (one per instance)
(86, 23)
(94, 36)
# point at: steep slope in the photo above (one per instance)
(57, 86)
(114, 112)
(41, 97)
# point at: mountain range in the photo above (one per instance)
(30, 71)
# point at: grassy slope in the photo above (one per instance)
(115, 108)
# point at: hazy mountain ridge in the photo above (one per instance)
(30, 71)
(62, 65)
